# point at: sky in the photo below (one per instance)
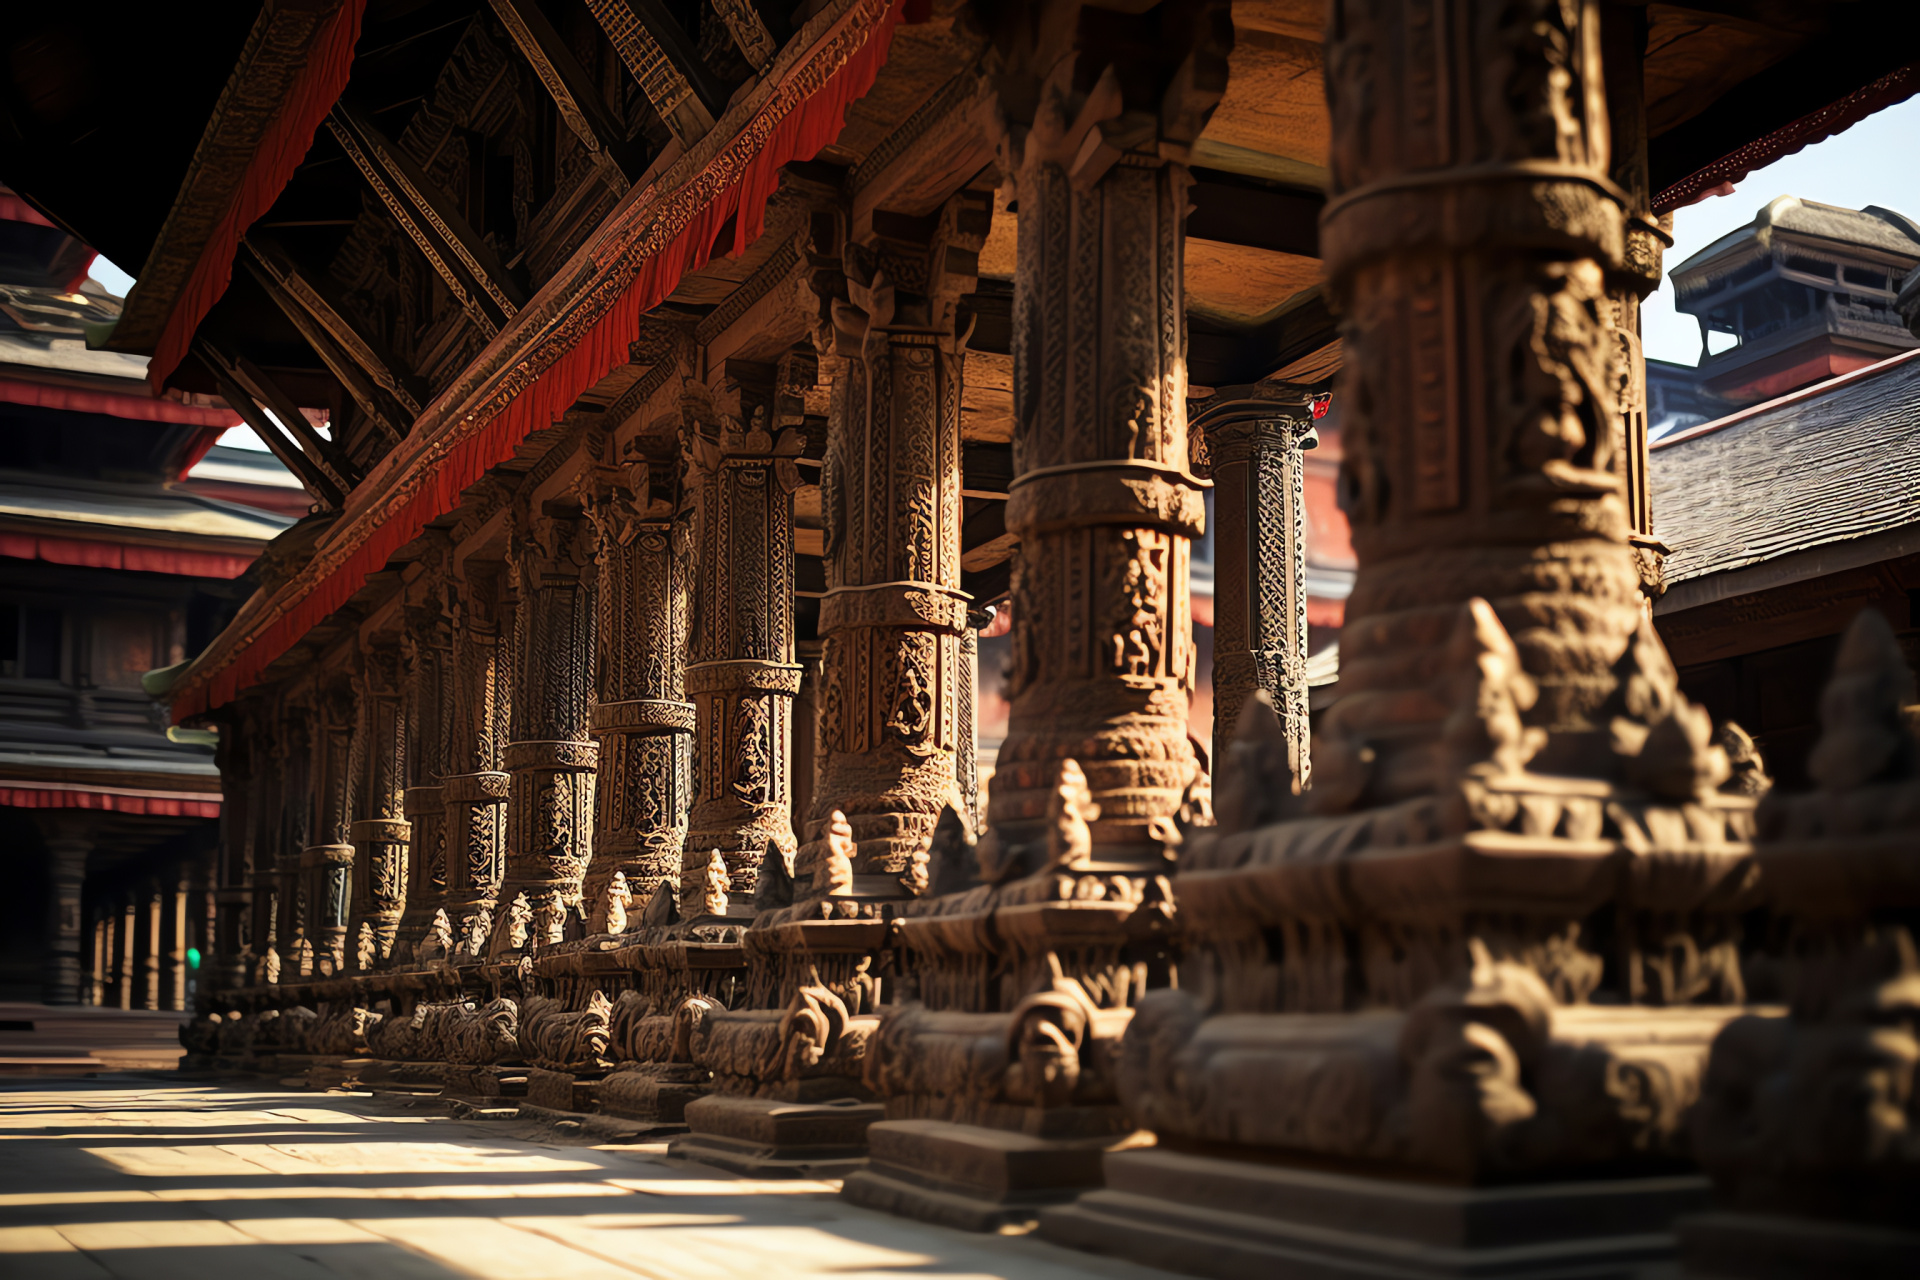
(1872, 163)
(1875, 162)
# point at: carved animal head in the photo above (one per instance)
(689, 1021)
(438, 942)
(810, 1028)
(1043, 1042)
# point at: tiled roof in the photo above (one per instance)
(1829, 464)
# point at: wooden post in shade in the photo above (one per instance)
(178, 956)
(100, 944)
(126, 955)
(153, 949)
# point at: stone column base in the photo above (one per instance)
(973, 1177)
(766, 1138)
(1237, 1219)
(1753, 1246)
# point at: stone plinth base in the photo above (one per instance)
(1239, 1220)
(1752, 1246)
(972, 1177)
(761, 1137)
(561, 1090)
(657, 1093)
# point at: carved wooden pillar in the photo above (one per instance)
(1102, 499)
(1255, 437)
(894, 617)
(475, 789)
(127, 931)
(294, 749)
(1468, 242)
(1623, 33)
(327, 864)
(69, 838)
(267, 798)
(640, 716)
(551, 757)
(427, 644)
(741, 674)
(239, 755)
(380, 832)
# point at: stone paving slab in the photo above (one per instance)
(129, 1177)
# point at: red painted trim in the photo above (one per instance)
(14, 209)
(138, 407)
(87, 553)
(741, 196)
(279, 154)
(152, 804)
(1792, 397)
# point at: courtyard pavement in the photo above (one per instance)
(154, 1177)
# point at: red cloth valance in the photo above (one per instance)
(794, 124)
(282, 148)
(152, 804)
(86, 553)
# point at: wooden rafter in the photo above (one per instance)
(338, 361)
(316, 480)
(312, 295)
(429, 217)
(670, 73)
(748, 30)
(262, 390)
(573, 94)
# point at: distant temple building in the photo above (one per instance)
(1807, 292)
(126, 537)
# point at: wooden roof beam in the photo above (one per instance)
(572, 92)
(263, 390)
(386, 420)
(666, 64)
(314, 479)
(749, 32)
(481, 282)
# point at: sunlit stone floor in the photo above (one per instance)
(151, 1178)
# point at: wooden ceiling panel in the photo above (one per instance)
(1694, 58)
(1276, 100)
(1237, 284)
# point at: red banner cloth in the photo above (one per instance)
(282, 149)
(794, 124)
(153, 804)
(86, 553)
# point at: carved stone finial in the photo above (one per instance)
(712, 898)
(1490, 691)
(614, 903)
(1863, 736)
(834, 875)
(366, 948)
(953, 859)
(437, 945)
(1747, 770)
(519, 922)
(1069, 810)
(773, 888)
